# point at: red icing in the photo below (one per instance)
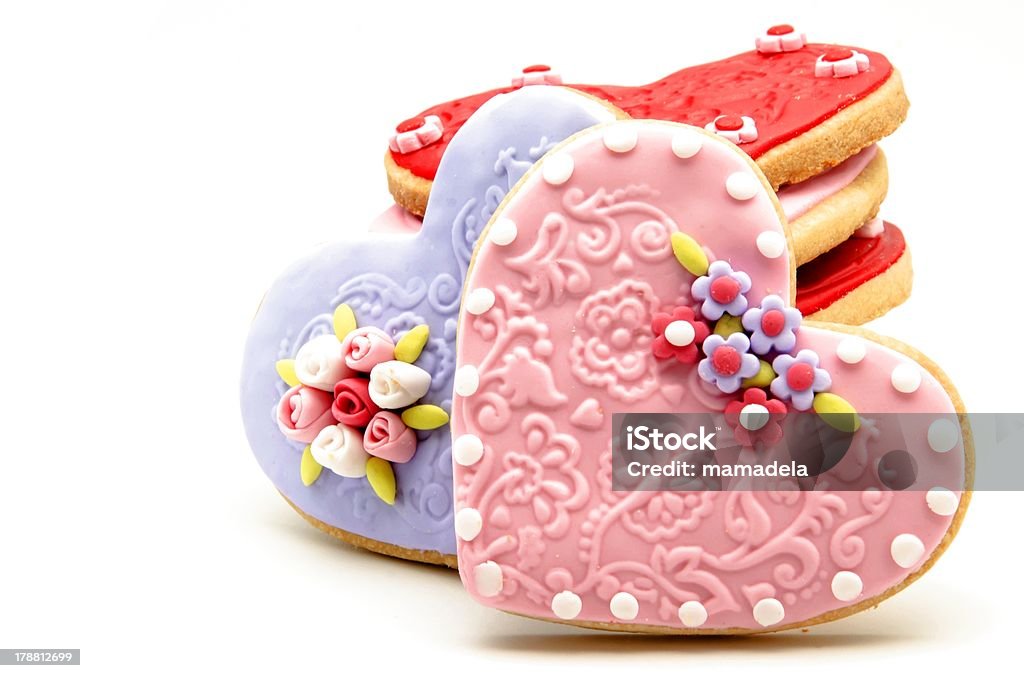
(410, 124)
(728, 123)
(781, 29)
(837, 54)
(724, 290)
(800, 376)
(726, 360)
(827, 279)
(537, 68)
(779, 91)
(772, 322)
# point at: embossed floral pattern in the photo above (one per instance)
(544, 475)
(613, 340)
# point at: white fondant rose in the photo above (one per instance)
(340, 449)
(394, 384)
(320, 363)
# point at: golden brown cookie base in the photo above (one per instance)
(840, 613)
(874, 298)
(431, 557)
(408, 190)
(832, 221)
(847, 132)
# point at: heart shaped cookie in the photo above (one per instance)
(350, 362)
(651, 272)
(786, 111)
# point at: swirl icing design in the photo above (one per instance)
(567, 342)
(396, 282)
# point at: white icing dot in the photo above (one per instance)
(941, 501)
(624, 606)
(753, 417)
(742, 185)
(479, 301)
(557, 168)
(503, 231)
(851, 350)
(467, 450)
(943, 435)
(680, 333)
(771, 244)
(906, 550)
(686, 143)
(488, 579)
(468, 523)
(692, 614)
(846, 586)
(467, 380)
(906, 378)
(620, 138)
(566, 605)
(768, 612)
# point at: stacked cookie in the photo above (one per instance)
(573, 261)
(809, 115)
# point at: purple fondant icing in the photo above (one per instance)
(395, 282)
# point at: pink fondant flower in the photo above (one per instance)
(302, 412)
(352, 405)
(389, 438)
(678, 334)
(365, 347)
(756, 418)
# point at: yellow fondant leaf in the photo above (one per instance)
(689, 253)
(309, 468)
(836, 412)
(344, 320)
(425, 417)
(728, 324)
(286, 370)
(410, 346)
(763, 378)
(382, 479)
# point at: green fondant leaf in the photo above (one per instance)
(286, 370)
(309, 468)
(344, 320)
(425, 417)
(382, 479)
(410, 346)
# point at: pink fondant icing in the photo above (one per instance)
(567, 343)
(396, 220)
(798, 199)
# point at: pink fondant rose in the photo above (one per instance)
(364, 347)
(302, 413)
(389, 438)
(352, 405)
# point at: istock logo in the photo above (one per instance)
(646, 438)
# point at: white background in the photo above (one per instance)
(160, 162)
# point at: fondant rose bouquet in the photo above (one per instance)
(353, 398)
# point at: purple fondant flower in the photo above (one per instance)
(773, 325)
(799, 378)
(728, 361)
(721, 290)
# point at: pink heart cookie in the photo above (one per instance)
(651, 272)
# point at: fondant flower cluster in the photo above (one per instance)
(752, 350)
(353, 398)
